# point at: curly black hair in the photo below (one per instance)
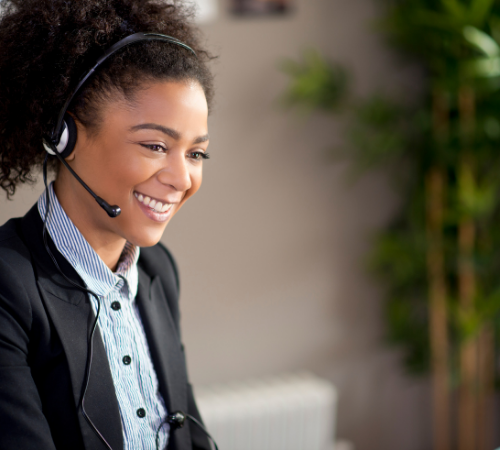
(46, 46)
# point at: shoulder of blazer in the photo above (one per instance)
(14, 254)
(17, 280)
(10, 235)
(8, 230)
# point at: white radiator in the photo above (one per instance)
(289, 412)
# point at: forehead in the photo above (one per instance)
(186, 93)
(180, 105)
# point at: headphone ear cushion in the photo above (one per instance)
(70, 125)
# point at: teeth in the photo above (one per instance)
(152, 203)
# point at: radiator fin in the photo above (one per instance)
(287, 412)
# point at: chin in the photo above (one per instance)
(145, 239)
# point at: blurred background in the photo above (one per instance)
(276, 251)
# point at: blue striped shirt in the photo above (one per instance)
(142, 408)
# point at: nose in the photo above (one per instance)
(176, 173)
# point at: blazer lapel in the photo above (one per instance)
(166, 351)
(69, 309)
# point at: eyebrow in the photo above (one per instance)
(168, 131)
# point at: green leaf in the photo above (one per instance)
(478, 200)
(314, 82)
(433, 20)
(455, 8)
(481, 67)
(479, 10)
(489, 307)
(494, 24)
(482, 41)
(399, 256)
(486, 309)
(492, 127)
(469, 325)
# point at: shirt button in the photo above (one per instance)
(127, 360)
(116, 306)
(141, 412)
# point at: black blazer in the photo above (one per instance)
(44, 328)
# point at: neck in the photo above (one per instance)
(109, 252)
(108, 245)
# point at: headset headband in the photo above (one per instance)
(133, 38)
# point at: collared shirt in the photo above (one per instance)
(141, 405)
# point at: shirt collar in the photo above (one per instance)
(82, 257)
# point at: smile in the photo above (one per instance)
(155, 205)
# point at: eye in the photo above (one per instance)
(199, 155)
(155, 147)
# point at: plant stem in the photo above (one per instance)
(438, 311)
(438, 314)
(486, 387)
(467, 409)
(467, 427)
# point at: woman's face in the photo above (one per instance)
(146, 152)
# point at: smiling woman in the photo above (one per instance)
(151, 145)
(113, 96)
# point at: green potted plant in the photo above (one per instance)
(439, 258)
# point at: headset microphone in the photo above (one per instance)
(111, 210)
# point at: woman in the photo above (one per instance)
(113, 96)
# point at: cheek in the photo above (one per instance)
(127, 169)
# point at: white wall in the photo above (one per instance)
(271, 250)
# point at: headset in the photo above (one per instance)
(60, 142)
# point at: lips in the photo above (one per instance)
(154, 204)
